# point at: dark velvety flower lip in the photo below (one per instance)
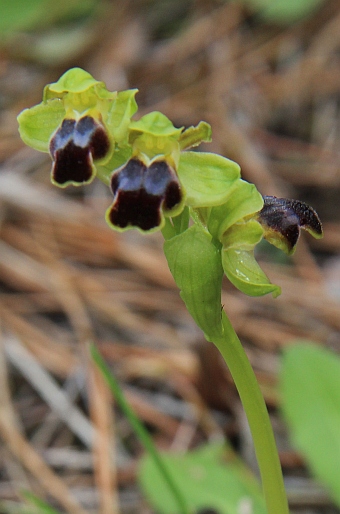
(62, 137)
(72, 164)
(141, 192)
(282, 219)
(74, 147)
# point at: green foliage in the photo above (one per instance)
(19, 15)
(39, 506)
(310, 393)
(48, 32)
(283, 11)
(210, 477)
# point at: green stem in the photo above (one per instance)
(168, 230)
(41, 506)
(140, 431)
(254, 405)
(103, 176)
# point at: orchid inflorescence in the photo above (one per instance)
(157, 182)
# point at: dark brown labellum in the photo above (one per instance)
(282, 219)
(141, 192)
(74, 147)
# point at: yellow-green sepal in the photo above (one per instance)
(207, 178)
(82, 89)
(119, 115)
(75, 80)
(245, 274)
(243, 201)
(37, 124)
(81, 94)
(239, 263)
(156, 124)
(243, 234)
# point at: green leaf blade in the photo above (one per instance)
(310, 390)
(209, 477)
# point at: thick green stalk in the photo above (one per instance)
(253, 403)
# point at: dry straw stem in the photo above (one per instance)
(104, 449)
(26, 454)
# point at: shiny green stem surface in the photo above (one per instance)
(255, 408)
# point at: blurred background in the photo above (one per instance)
(266, 76)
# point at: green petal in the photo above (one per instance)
(207, 178)
(156, 124)
(36, 125)
(119, 115)
(194, 136)
(74, 80)
(243, 235)
(195, 263)
(244, 201)
(244, 273)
